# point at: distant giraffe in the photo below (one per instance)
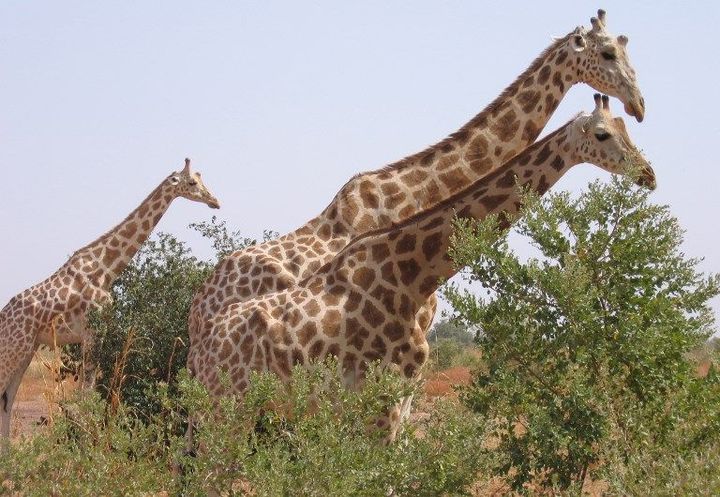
(81, 283)
(392, 194)
(362, 305)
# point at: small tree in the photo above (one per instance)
(225, 241)
(451, 344)
(585, 343)
(142, 337)
(449, 330)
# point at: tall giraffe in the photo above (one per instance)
(389, 195)
(81, 283)
(362, 305)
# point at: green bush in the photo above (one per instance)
(587, 343)
(449, 330)
(88, 451)
(142, 338)
(148, 318)
(443, 353)
(275, 442)
(687, 462)
(451, 344)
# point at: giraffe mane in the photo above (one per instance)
(508, 92)
(425, 213)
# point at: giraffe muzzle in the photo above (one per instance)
(636, 109)
(647, 179)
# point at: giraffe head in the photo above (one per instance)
(189, 184)
(601, 139)
(602, 62)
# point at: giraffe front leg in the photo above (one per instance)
(88, 367)
(412, 363)
(391, 421)
(75, 329)
(426, 314)
(395, 418)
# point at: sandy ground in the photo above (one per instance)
(38, 396)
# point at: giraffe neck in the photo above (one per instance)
(507, 126)
(103, 260)
(418, 247)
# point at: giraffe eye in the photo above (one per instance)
(602, 136)
(192, 183)
(608, 55)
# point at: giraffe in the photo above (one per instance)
(362, 305)
(81, 283)
(377, 199)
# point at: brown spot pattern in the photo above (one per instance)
(491, 202)
(409, 270)
(544, 75)
(432, 245)
(528, 99)
(506, 126)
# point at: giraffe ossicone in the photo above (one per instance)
(83, 282)
(361, 306)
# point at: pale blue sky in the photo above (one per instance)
(279, 103)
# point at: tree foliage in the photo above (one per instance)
(586, 343)
(451, 344)
(450, 330)
(142, 337)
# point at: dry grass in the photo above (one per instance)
(37, 378)
(39, 395)
(118, 376)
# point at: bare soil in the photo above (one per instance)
(38, 397)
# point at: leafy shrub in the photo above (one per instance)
(88, 451)
(328, 444)
(148, 319)
(142, 338)
(274, 442)
(687, 462)
(449, 330)
(451, 344)
(586, 344)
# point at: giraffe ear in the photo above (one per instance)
(174, 180)
(578, 43)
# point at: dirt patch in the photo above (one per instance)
(28, 417)
(38, 396)
(703, 368)
(443, 383)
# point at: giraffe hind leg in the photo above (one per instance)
(5, 415)
(8, 398)
(4, 422)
